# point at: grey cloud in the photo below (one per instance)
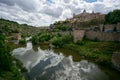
(74, 9)
(99, 7)
(67, 1)
(26, 5)
(56, 12)
(8, 2)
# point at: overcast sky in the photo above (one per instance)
(45, 12)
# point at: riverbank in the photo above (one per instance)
(100, 52)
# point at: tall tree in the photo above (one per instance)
(113, 17)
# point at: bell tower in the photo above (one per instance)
(84, 11)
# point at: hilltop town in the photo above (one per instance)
(92, 25)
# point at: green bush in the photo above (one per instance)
(35, 39)
(44, 37)
(60, 41)
(22, 41)
(57, 41)
(63, 28)
(67, 38)
(81, 43)
(5, 56)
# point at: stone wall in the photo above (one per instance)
(78, 35)
(118, 27)
(103, 36)
(109, 28)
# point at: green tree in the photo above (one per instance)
(113, 17)
(5, 56)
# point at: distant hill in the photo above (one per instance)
(8, 27)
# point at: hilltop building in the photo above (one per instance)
(84, 16)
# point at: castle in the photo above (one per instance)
(84, 16)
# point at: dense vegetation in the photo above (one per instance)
(113, 17)
(54, 38)
(8, 27)
(100, 52)
(22, 41)
(8, 70)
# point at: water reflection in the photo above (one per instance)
(46, 65)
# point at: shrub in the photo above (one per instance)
(35, 39)
(22, 41)
(63, 28)
(67, 38)
(81, 43)
(57, 41)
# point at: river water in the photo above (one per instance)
(48, 65)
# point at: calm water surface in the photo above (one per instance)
(54, 65)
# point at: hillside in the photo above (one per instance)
(8, 27)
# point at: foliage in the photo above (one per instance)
(113, 17)
(8, 71)
(80, 43)
(100, 52)
(57, 41)
(5, 56)
(22, 41)
(67, 38)
(44, 37)
(8, 27)
(35, 39)
(63, 28)
(60, 41)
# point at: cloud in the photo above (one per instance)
(7, 2)
(53, 12)
(45, 12)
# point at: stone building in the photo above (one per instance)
(86, 17)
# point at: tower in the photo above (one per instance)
(73, 14)
(92, 12)
(84, 11)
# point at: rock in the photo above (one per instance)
(116, 60)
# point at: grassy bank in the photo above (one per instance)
(100, 52)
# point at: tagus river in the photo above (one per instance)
(50, 65)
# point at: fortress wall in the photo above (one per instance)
(118, 27)
(103, 36)
(78, 35)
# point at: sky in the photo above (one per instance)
(45, 12)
